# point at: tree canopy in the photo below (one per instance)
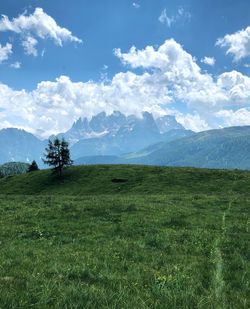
(33, 167)
(58, 155)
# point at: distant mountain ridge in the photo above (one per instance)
(133, 134)
(20, 146)
(103, 134)
(221, 148)
(120, 139)
(227, 148)
(102, 125)
(116, 134)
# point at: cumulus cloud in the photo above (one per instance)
(169, 75)
(53, 106)
(170, 54)
(29, 45)
(208, 60)
(5, 52)
(37, 25)
(236, 86)
(16, 65)
(178, 69)
(236, 44)
(230, 117)
(192, 122)
(168, 20)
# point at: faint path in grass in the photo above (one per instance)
(218, 280)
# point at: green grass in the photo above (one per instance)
(138, 180)
(164, 238)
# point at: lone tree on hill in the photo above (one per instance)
(33, 167)
(58, 155)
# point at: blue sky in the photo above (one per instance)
(64, 76)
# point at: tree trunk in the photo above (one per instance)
(60, 171)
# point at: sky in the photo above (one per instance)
(61, 60)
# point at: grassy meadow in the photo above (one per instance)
(125, 237)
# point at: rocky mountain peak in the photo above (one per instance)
(167, 123)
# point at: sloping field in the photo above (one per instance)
(125, 237)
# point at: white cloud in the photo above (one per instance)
(5, 52)
(37, 25)
(176, 68)
(136, 5)
(208, 60)
(170, 74)
(192, 122)
(167, 20)
(53, 106)
(239, 117)
(236, 86)
(237, 44)
(171, 65)
(167, 56)
(16, 65)
(29, 45)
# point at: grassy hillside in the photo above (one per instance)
(128, 179)
(125, 237)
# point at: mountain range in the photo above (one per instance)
(103, 134)
(221, 148)
(117, 138)
(20, 146)
(117, 124)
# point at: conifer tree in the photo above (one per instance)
(58, 155)
(33, 167)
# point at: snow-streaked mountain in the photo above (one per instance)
(134, 134)
(117, 124)
(167, 123)
(97, 127)
(103, 134)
